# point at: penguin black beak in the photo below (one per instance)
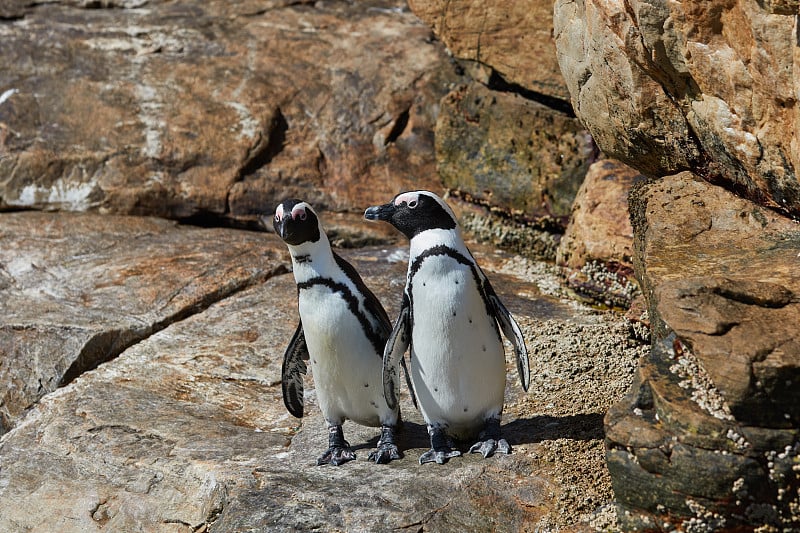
(380, 212)
(279, 225)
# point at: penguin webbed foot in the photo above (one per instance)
(440, 456)
(336, 456)
(339, 451)
(442, 448)
(384, 453)
(488, 447)
(387, 450)
(490, 440)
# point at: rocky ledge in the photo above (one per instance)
(708, 434)
(143, 392)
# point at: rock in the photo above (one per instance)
(508, 139)
(513, 38)
(597, 247)
(185, 430)
(533, 239)
(215, 110)
(78, 290)
(511, 152)
(670, 86)
(710, 430)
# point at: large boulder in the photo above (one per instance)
(670, 86)
(215, 109)
(709, 432)
(514, 38)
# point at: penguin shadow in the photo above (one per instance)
(584, 426)
(410, 435)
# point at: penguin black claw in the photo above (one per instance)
(440, 456)
(488, 447)
(385, 453)
(336, 456)
(490, 440)
(339, 451)
(441, 447)
(387, 450)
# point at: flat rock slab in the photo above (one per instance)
(186, 430)
(76, 290)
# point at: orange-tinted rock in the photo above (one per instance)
(597, 247)
(707, 86)
(215, 109)
(713, 418)
(515, 38)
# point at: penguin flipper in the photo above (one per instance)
(513, 333)
(409, 384)
(292, 372)
(396, 346)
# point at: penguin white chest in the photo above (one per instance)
(457, 363)
(345, 365)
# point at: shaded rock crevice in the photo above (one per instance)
(108, 345)
(269, 144)
(497, 82)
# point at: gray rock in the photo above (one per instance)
(79, 289)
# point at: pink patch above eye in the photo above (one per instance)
(408, 198)
(299, 212)
(279, 212)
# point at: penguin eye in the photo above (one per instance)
(412, 204)
(277, 217)
(302, 215)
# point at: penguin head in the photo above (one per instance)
(414, 212)
(296, 222)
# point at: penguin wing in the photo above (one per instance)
(396, 346)
(512, 332)
(371, 302)
(292, 372)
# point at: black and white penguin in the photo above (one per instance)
(343, 330)
(449, 318)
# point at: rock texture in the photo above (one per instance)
(512, 152)
(215, 109)
(707, 86)
(596, 250)
(707, 438)
(185, 429)
(709, 431)
(508, 138)
(514, 38)
(78, 290)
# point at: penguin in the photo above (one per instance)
(342, 332)
(451, 320)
